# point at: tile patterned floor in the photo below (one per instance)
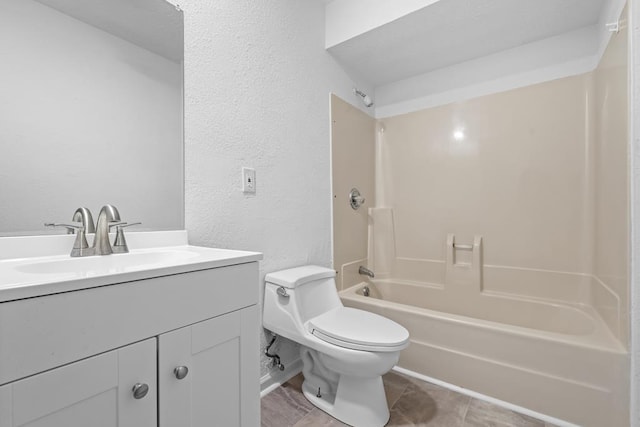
(412, 403)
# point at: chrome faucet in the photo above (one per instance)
(84, 216)
(83, 222)
(108, 217)
(366, 272)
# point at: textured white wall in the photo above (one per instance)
(257, 86)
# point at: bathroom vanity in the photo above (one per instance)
(166, 335)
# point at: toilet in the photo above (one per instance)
(344, 351)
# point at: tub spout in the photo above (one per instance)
(366, 272)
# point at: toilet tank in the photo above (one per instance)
(312, 291)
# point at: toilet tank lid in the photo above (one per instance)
(297, 276)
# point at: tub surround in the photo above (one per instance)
(352, 163)
(465, 275)
(610, 162)
(532, 183)
(539, 172)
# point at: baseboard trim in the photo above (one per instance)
(275, 378)
(489, 399)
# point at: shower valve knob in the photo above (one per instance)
(355, 199)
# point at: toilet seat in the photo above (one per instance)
(359, 330)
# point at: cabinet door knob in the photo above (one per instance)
(181, 372)
(140, 390)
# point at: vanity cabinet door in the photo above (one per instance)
(220, 358)
(94, 392)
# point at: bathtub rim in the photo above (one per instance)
(601, 339)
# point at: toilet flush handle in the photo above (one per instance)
(282, 292)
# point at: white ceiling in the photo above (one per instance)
(449, 32)
(154, 25)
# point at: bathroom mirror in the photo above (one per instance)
(91, 112)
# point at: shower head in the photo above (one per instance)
(366, 99)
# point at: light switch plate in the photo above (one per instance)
(248, 180)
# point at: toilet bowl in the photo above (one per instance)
(344, 351)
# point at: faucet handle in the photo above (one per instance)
(115, 224)
(120, 244)
(120, 225)
(70, 227)
(80, 245)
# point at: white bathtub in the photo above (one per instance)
(555, 358)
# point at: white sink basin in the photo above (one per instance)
(116, 263)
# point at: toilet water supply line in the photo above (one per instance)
(275, 359)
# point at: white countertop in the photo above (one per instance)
(151, 255)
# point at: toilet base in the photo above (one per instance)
(359, 402)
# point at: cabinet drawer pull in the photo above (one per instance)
(140, 390)
(181, 372)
